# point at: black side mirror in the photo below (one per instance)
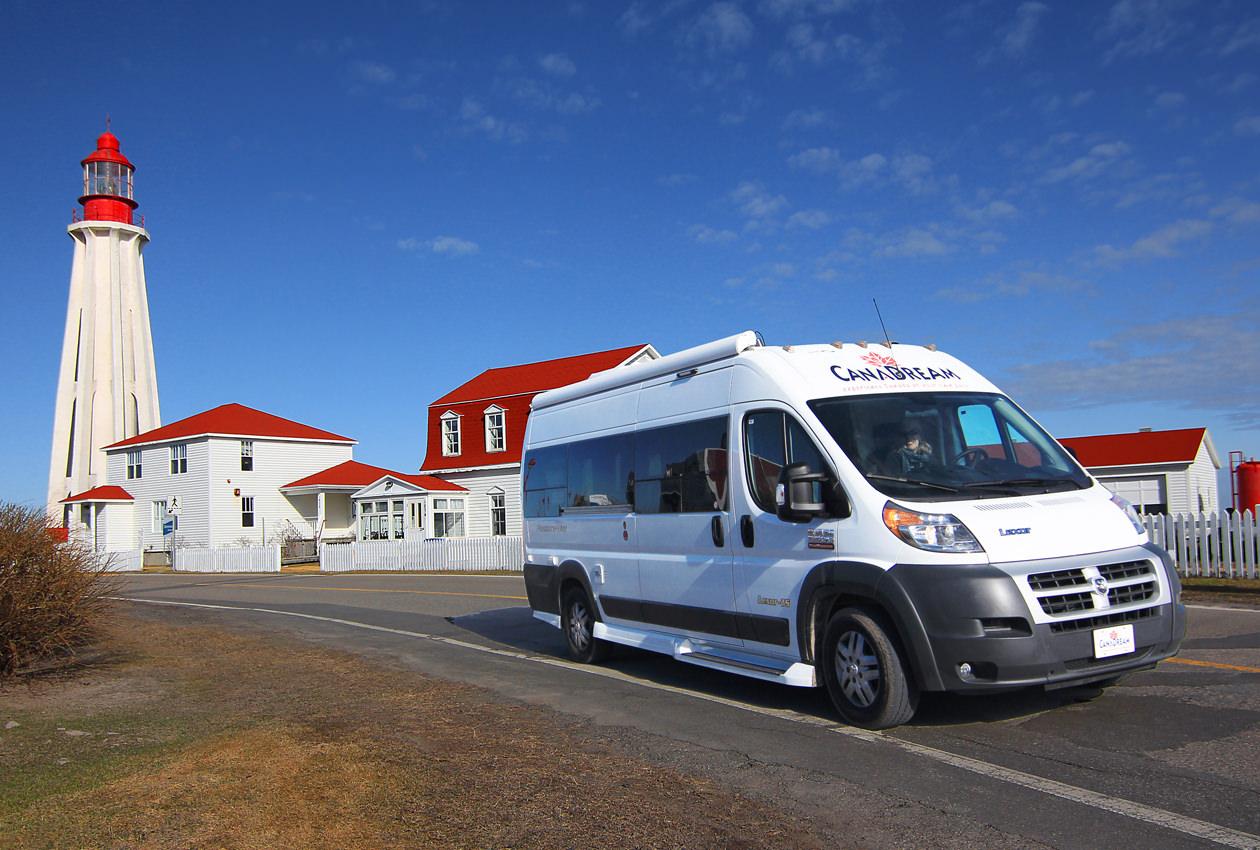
(799, 496)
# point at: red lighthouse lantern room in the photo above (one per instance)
(107, 183)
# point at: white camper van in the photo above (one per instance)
(880, 520)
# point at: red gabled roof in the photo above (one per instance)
(355, 474)
(234, 420)
(1179, 446)
(104, 493)
(511, 388)
(536, 377)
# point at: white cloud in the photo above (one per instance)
(914, 173)
(1081, 98)
(996, 210)
(1162, 243)
(913, 242)
(801, 8)
(453, 246)
(1245, 37)
(806, 119)
(475, 117)
(1018, 37)
(1191, 363)
(640, 16)
(376, 73)
(541, 95)
(822, 160)
(755, 202)
(706, 235)
(1237, 211)
(721, 28)
(1142, 27)
(1014, 285)
(1100, 159)
(678, 179)
(1248, 125)
(1241, 82)
(809, 219)
(557, 64)
(864, 170)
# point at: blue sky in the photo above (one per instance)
(356, 208)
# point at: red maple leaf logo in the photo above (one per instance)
(877, 359)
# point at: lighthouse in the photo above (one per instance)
(107, 385)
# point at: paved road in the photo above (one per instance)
(1168, 758)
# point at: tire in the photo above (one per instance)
(865, 674)
(577, 621)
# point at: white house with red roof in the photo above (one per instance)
(367, 502)
(224, 467)
(476, 432)
(1160, 472)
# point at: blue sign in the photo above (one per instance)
(168, 527)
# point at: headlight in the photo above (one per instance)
(933, 532)
(1134, 517)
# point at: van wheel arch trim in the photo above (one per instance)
(863, 581)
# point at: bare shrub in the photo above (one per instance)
(50, 592)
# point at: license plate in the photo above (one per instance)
(1113, 640)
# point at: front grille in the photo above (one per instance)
(1066, 603)
(1103, 620)
(1057, 579)
(1132, 593)
(1129, 569)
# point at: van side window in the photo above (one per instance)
(772, 440)
(599, 472)
(681, 468)
(545, 481)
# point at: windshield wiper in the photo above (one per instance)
(1021, 482)
(946, 487)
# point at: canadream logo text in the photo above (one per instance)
(884, 368)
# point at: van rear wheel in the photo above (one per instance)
(577, 620)
(865, 675)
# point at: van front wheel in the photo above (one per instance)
(865, 676)
(577, 620)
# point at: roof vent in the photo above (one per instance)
(1146, 430)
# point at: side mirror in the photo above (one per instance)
(799, 496)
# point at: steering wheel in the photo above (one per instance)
(969, 457)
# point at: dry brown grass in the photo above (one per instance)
(49, 592)
(238, 742)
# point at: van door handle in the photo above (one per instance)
(715, 527)
(746, 531)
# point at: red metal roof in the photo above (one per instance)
(104, 493)
(511, 388)
(234, 420)
(536, 377)
(1179, 446)
(355, 474)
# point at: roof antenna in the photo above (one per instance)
(887, 338)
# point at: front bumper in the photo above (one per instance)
(978, 615)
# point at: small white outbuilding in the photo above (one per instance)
(1160, 472)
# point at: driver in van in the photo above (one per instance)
(913, 454)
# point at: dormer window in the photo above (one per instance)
(450, 433)
(496, 429)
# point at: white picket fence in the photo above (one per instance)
(228, 559)
(1220, 545)
(451, 553)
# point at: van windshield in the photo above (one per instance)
(948, 446)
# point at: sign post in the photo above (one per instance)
(173, 510)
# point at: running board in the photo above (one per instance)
(713, 657)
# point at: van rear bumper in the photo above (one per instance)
(977, 615)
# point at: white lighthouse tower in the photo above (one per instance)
(107, 386)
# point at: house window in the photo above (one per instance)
(160, 516)
(448, 517)
(247, 455)
(396, 518)
(247, 512)
(496, 430)
(498, 513)
(450, 434)
(179, 458)
(133, 464)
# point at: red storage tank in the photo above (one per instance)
(1248, 473)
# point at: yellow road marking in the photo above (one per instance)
(371, 590)
(1196, 663)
